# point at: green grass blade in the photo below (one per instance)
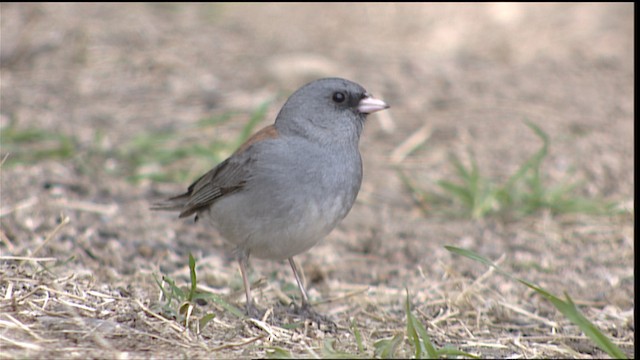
(432, 352)
(255, 119)
(476, 257)
(462, 171)
(571, 312)
(205, 320)
(448, 351)
(220, 301)
(329, 351)
(192, 275)
(458, 191)
(567, 308)
(417, 334)
(357, 335)
(386, 348)
(215, 120)
(32, 145)
(166, 294)
(275, 352)
(175, 290)
(534, 162)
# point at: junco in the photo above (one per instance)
(291, 183)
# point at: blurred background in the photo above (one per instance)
(105, 108)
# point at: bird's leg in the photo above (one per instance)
(296, 273)
(306, 310)
(243, 260)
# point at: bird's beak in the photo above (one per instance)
(369, 104)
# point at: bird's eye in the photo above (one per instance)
(339, 97)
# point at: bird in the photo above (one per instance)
(291, 183)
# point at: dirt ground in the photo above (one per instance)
(464, 76)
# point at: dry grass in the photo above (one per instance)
(49, 310)
(89, 90)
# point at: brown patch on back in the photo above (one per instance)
(266, 133)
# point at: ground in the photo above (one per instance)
(90, 83)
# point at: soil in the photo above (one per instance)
(80, 249)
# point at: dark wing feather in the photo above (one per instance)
(226, 178)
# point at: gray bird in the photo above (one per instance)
(289, 184)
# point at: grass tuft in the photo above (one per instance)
(523, 193)
(566, 307)
(421, 342)
(180, 303)
(31, 145)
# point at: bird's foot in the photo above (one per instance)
(323, 321)
(254, 313)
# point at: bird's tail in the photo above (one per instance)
(175, 203)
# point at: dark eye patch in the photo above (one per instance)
(339, 97)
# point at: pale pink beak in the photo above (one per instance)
(369, 105)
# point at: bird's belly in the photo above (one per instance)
(277, 230)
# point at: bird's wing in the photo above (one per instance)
(228, 177)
